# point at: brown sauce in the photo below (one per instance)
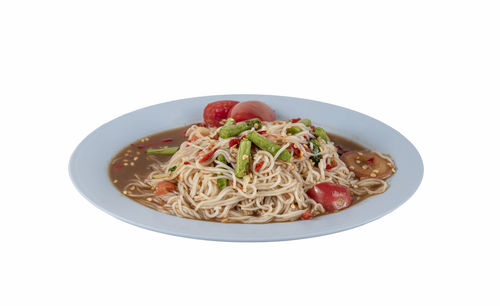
(133, 160)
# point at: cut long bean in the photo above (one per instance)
(267, 145)
(306, 122)
(222, 181)
(293, 130)
(229, 122)
(319, 132)
(243, 158)
(163, 151)
(235, 130)
(222, 159)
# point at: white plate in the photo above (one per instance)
(89, 163)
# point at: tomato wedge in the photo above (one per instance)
(164, 187)
(252, 109)
(331, 196)
(217, 111)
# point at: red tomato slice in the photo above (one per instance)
(332, 196)
(216, 111)
(252, 109)
(307, 215)
(164, 187)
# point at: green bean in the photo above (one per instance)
(266, 145)
(222, 181)
(319, 132)
(293, 130)
(243, 158)
(316, 149)
(235, 130)
(229, 122)
(222, 159)
(306, 122)
(163, 151)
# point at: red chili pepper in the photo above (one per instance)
(118, 166)
(187, 163)
(233, 142)
(307, 215)
(296, 151)
(258, 166)
(262, 132)
(333, 165)
(152, 144)
(313, 127)
(371, 160)
(207, 156)
(295, 120)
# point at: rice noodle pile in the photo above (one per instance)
(277, 192)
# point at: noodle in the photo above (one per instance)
(274, 193)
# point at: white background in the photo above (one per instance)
(430, 69)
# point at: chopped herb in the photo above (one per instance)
(163, 151)
(316, 149)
